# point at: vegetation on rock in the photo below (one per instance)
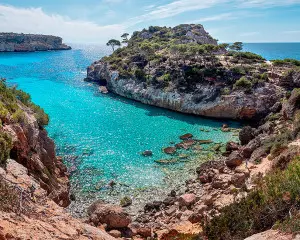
(12, 101)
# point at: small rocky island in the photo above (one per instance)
(15, 42)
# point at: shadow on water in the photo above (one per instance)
(154, 111)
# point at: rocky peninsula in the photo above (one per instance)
(184, 69)
(15, 42)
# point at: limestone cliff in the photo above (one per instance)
(185, 70)
(15, 42)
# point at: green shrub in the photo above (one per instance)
(243, 82)
(287, 61)
(239, 70)
(139, 74)
(268, 204)
(225, 91)
(18, 116)
(41, 117)
(166, 77)
(5, 147)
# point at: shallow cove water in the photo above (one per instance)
(102, 136)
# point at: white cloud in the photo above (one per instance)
(174, 8)
(181, 6)
(35, 20)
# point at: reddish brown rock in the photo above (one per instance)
(187, 199)
(186, 136)
(169, 150)
(113, 216)
(115, 233)
(234, 160)
(232, 146)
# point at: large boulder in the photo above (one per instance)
(113, 216)
(187, 199)
(234, 160)
(292, 104)
(246, 135)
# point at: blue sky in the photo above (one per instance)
(99, 20)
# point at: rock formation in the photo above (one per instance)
(14, 42)
(183, 69)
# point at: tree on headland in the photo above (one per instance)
(125, 37)
(224, 46)
(238, 47)
(113, 43)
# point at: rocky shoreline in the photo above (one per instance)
(14, 42)
(237, 106)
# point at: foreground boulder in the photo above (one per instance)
(246, 135)
(113, 216)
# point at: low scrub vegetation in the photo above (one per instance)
(286, 62)
(276, 200)
(9, 106)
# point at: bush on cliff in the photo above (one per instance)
(271, 202)
(243, 82)
(9, 105)
(5, 147)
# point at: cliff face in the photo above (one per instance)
(24, 139)
(32, 215)
(32, 148)
(205, 100)
(14, 42)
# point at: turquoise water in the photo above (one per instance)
(102, 136)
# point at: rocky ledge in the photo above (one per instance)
(14, 42)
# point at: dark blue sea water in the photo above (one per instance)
(102, 136)
(272, 51)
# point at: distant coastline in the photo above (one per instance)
(19, 42)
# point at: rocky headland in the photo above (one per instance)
(15, 42)
(184, 69)
(243, 191)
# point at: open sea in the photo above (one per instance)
(102, 136)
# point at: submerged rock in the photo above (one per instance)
(186, 136)
(167, 161)
(147, 153)
(169, 150)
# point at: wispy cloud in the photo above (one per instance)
(35, 20)
(174, 8)
(266, 3)
(182, 6)
(223, 16)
